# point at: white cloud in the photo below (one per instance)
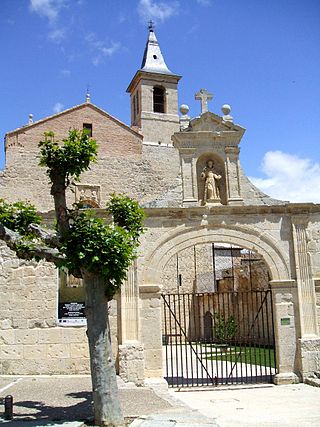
(100, 48)
(58, 107)
(50, 9)
(46, 8)
(289, 177)
(108, 51)
(157, 10)
(57, 35)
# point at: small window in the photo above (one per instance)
(158, 99)
(88, 128)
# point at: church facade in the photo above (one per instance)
(200, 206)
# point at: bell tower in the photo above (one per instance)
(154, 96)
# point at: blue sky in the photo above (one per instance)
(260, 56)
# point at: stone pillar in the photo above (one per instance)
(284, 299)
(131, 354)
(151, 329)
(189, 176)
(306, 290)
(309, 343)
(317, 291)
(232, 172)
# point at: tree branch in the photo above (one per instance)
(17, 243)
(49, 237)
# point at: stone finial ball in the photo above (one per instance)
(226, 109)
(184, 109)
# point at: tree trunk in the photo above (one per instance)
(58, 191)
(107, 410)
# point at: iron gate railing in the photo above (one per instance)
(218, 338)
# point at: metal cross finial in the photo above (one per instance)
(203, 96)
(151, 25)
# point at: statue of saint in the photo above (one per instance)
(211, 189)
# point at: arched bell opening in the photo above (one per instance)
(159, 99)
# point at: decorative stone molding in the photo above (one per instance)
(306, 290)
(188, 170)
(209, 137)
(87, 195)
(286, 378)
(129, 308)
(182, 237)
(232, 171)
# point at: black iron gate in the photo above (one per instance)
(218, 338)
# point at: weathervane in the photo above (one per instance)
(151, 25)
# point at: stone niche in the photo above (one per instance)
(209, 138)
(219, 181)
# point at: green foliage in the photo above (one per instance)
(89, 244)
(224, 328)
(99, 248)
(69, 159)
(127, 214)
(18, 216)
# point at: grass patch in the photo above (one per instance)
(250, 355)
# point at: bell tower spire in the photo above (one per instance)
(152, 57)
(154, 95)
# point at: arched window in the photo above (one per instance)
(158, 99)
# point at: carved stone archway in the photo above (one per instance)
(282, 284)
(181, 238)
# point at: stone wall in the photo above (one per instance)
(212, 268)
(30, 340)
(145, 173)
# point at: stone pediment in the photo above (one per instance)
(210, 122)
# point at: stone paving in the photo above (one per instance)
(66, 400)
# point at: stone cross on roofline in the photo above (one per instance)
(203, 96)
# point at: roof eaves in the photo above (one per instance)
(85, 104)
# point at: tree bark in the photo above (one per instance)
(107, 410)
(14, 240)
(58, 191)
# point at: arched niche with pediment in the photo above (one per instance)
(209, 136)
(218, 167)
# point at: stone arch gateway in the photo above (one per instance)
(168, 163)
(265, 230)
(182, 237)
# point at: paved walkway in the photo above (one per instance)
(66, 400)
(295, 405)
